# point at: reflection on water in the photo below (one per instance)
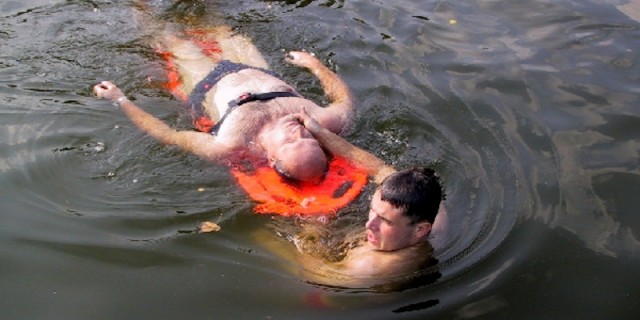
(528, 110)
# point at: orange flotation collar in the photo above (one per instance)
(342, 183)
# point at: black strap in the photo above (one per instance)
(224, 68)
(259, 97)
(249, 97)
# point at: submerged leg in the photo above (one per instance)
(238, 48)
(192, 52)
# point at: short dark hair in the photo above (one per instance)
(283, 173)
(288, 177)
(417, 191)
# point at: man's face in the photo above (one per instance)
(388, 229)
(287, 131)
(293, 150)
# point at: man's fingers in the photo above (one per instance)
(101, 89)
(97, 88)
(289, 56)
(106, 85)
(295, 56)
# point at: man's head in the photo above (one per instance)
(294, 152)
(301, 160)
(403, 209)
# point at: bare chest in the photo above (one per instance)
(245, 123)
(366, 262)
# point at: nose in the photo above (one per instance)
(372, 223)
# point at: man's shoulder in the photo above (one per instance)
(367, 262)
(366, 267)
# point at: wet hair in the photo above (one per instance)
(306, 162)
(417, 191)
(291, 179)
(286, 176)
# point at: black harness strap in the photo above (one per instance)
(224, 67)
(249, 97)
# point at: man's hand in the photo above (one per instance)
(302, 59)
(306, 120)
(107, 90)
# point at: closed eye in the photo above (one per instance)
(385, 220)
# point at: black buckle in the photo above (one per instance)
(242, 99)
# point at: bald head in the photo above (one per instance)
(302, 160)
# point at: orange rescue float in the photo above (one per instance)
(342, 183)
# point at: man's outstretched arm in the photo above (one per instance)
(201, 144)
(341, 107)
(376, 168)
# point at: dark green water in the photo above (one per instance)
(528, 109)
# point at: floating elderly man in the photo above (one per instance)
(242, 109)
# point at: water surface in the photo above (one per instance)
(528, 109)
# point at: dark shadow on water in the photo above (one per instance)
(417, 306)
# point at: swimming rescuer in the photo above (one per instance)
(242, 111)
